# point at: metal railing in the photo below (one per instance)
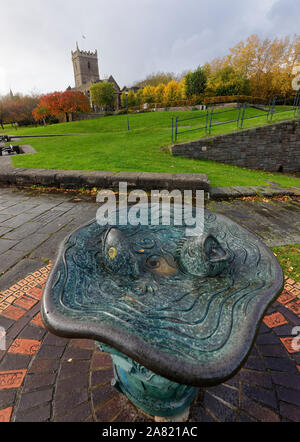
(269, 110)
(294, 108)
(175, 127)
(219, 123)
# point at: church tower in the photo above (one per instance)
(85, 65)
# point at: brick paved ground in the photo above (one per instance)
(31, 227)
(47, 378)
(276, 221)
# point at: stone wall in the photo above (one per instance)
(272, 148)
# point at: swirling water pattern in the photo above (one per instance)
(179, 314)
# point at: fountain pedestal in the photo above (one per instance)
(150, 392)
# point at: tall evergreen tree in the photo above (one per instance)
(195, 82)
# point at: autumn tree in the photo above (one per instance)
(41, 113)
(2, 113)
(51, 101)
(139, 97)
(62, 103)
(267, 63)
(171, 93)
(103, 94)
(124, 100)
(149, 94)
(156, 79)
(128, 98)
(23, 111)
(6, 110)
(227, 81)
(214, 65)
(17, 109)
(182, 89)
(74, 101)
(159, 92)
(131, 98)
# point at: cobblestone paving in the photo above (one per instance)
(48, 378)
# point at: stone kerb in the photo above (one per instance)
(76, 179)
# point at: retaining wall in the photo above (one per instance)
(272, 148)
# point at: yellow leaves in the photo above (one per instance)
(159, 92)
(266, 63)
(129, 99)
(171, 92)
(149, 94)
(94, 191)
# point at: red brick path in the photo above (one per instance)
(47, 378)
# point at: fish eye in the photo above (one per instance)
(153, 261)
(112, 252)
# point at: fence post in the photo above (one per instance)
(273, 107)
(176, 129)
(243, 115)
(296, 100)
(172, 129)
(206, 121)
(238, 118)
(210, 120)
(268, 113)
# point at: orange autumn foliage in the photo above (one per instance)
(58, 103)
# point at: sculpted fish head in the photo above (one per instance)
(117, 254)
(201, 256)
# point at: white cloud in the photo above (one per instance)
(3, 80)
(133, 37)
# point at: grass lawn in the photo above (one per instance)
(289, 259)
(106, 144)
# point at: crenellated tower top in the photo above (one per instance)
(85, 65)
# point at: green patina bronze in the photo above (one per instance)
(175, 312)
(152, 393)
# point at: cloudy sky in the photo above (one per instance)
(134, 38)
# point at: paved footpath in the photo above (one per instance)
(48, 378)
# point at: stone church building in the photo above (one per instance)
(86, 73)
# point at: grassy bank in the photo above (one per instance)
(289, 259)
(106, 144)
